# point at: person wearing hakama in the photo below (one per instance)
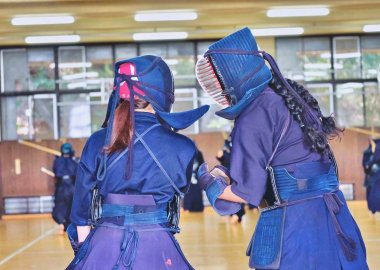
(132, 175)
(371, 165)
(281, 161)
(193, 201)
(64, 169)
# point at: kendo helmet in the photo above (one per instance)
(234, 73)
(67, 149)
(149, 78)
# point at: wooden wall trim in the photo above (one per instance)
(32, 182)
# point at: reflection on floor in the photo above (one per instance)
(209, 241)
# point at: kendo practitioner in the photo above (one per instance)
(224, 157)
(65, 169)
(280, 161)
(371, 165)
(132, 175)
(193, 201)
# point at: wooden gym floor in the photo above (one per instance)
(209, 241)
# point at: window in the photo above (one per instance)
(317, 59)
(41, 69)
(15, 120)
(350, 104)
(72, 67)
(29, 117)
(346, 87)
(304, 59)
(100, 66)
(341, 72)
(180, 58)
(75, 115)
(324, 95)
(27, 69)
(371, 56)
(98, 107)
(186, 99)
(289, 58)
(372, 104)
(125, 51)
(346, 57)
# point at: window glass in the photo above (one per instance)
(14, 70)
(28, 117)
(346, 57)
(75, 115)
(372, 104)
(210, 122)
(324, 95)
(289, 57)
(41, 69)
(186, 99)
(316, 59)
(125, 51)
(98, 110)
(72, 67)
(44, 117)
(101, 66)
(370, 56)
(180, 58)
(16, 118)
(349, 104)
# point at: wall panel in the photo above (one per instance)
(32, 182)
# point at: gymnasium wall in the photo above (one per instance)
(30, 181)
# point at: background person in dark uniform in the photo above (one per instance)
(371, 165)
(193, 200)
(64, 168)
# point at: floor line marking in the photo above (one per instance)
(42, 236)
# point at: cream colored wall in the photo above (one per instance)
(267, 44)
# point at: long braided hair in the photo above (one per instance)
(317, 135)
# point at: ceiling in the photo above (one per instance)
(112, 20)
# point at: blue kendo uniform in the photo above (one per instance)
(304, 222)
(193, 200)
(131, 197)
(65, 169)
(371, 165)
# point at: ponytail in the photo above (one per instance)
(122, 126)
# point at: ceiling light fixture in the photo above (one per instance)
(42, 19)
(165, 15)
(52, 39)
(297, 12)
(160, 36)
(371, 28)
(288, 31)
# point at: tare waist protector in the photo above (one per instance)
(314, 180)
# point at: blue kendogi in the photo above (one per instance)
(280, 161)
(65, 169)
(131, 197)
(371, 165)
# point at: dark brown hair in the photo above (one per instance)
(122, 126)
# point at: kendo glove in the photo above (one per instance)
(214, 183)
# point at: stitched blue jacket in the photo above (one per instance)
(174, 151)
